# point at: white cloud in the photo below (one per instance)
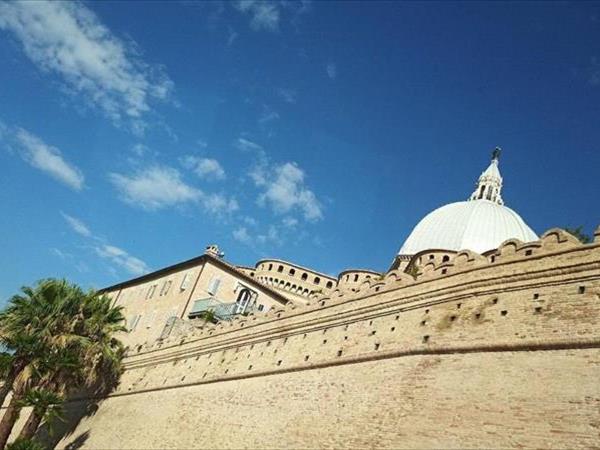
(283, 185)
(272, 236)
(140, 149)
(205, 168)
(154, 188)
(47, 159)
(246, 145)
(264, 15)
(62, 255)
(219, 204)
(287, 95)
(267, 115)
(331, 70)
(103, 249)
(232, 36)
(241, 234)
(77, 225)
(285, 191)
(68, 39)
(158, 187)
(123, 259)
(290, 222)
(250, 221)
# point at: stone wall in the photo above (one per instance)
(497, 351)
(473, 400)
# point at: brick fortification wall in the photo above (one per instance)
(478, 352)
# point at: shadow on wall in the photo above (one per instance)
(74, 412)
(78, 441)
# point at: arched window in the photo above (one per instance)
(304, 276)
(270, 266)
(356, 277)
(329, 285)
(292, 271)
(445, 258)
(280, 269)
(431, 256)
(317, 280)
(243, 301)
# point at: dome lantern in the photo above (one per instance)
(489, 185)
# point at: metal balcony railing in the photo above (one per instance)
(221, 311)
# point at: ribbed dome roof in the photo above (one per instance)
(477, 225)
(482, 223)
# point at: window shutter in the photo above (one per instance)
(164, 290)
(213, 286)
(136, 321)
(151, 290)
(185, 282)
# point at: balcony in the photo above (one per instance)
(220, 310)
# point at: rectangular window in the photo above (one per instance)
(165, 288)
(213, 286)
(151, 291)
(185, 282)
(133, 323)
(261, 307)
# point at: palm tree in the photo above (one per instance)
(47, 407)
(72, 330)
(25, 444)
(25, 326)
(579, 234)
(92, 362)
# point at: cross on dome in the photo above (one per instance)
(489, 185)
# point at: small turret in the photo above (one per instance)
(213, 250)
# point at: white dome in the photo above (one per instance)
(477, 225)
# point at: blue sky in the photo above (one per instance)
(134, 134)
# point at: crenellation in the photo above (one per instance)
(442, 323)
(437, 331)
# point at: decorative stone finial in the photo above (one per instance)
(213, 250)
